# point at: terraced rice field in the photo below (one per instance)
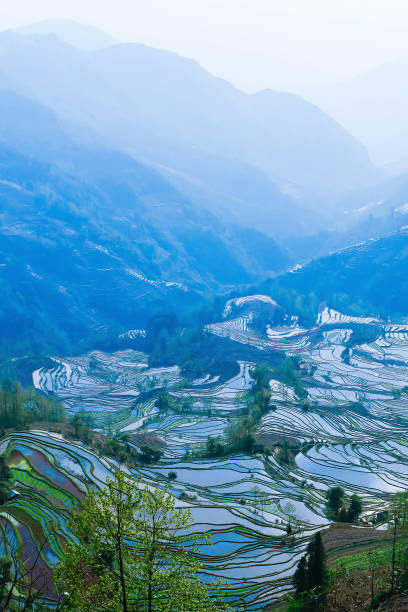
(354, 432)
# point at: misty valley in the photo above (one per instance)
(203, 339)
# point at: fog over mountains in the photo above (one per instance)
(208, 291)
(79, 35)
(198, 129)
(133, 171)
(373, 108)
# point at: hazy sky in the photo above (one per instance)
(282, 44)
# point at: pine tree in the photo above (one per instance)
(300, 579)
(316, 563)
(310, 573)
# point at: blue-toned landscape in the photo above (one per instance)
(203, 319)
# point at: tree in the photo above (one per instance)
(300, 580)
(355, 508)
(23, 580)
(215, 447)
(335, 496)
(373, 563)
(167, 573)
(398, 512)
(164, 402)
(149, 454)
(5, 480)
(261, 374)
(187, 405)
(93, 571)
(284, 455)
(311, 569)
(5, 577)
(131, 551)
(343, 515)
(316, 562)
(19, 407)
(290, 510)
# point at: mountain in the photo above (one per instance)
(365, 279)
(85, 37)
(35, 131)
(372, 107)
(93, 241)
(254, 159)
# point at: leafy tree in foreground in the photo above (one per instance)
(23, 579)
(130, 554)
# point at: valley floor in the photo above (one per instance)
(352, 432)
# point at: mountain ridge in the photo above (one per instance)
(159, 107)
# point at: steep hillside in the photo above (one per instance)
(100, 251)
(369, 278)
(235, 153)
(34, 130)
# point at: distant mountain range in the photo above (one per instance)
(241, 156)
(132, 182)
(92, 240)
(373, 107)
(85, 37)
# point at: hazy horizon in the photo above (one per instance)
(254, 45)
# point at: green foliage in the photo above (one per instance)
(351, 513)
(240, 432)
(284, 455)
(5, 484)
(288, 372)
(367, 275)
(335, 497)
(164, 402)
(390, 558)
(150, 454)
(362, 561)
(355, 508)
(302, 602)
(131, 552)
(261, 374)
(316, 563)
(215, 447)
(5, 576)
(300, 301)
(240, 435)
(172, 341)
(311, 570)
(82, 425)
(19, 407)
(300, 578)
(398, 513)
(338, 509)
